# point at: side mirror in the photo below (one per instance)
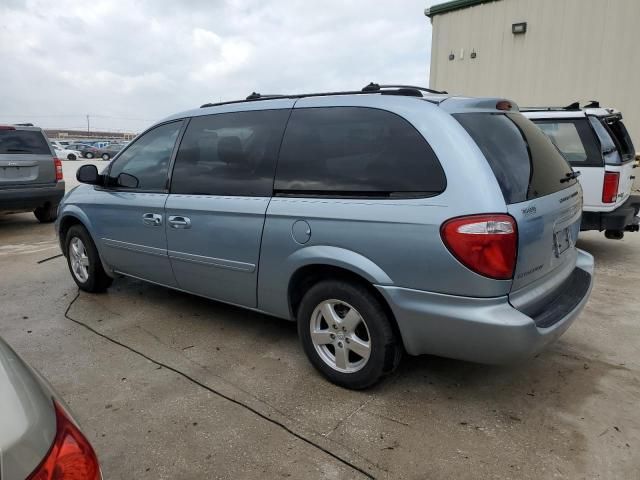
(88, 174)
(127, 181)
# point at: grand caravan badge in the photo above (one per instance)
(529, 211)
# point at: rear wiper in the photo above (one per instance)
(570, 176)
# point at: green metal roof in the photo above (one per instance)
(452, 6)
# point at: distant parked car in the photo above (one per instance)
(87, 151)
(394, 221)
(39, 439)
(30, 173)
(109, 151)
(596, 143)
(64, 153)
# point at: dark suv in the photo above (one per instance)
(30, 174)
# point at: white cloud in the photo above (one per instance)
(130, 63)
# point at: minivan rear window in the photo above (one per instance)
(524, 161)
(355, 151)
(23, 142)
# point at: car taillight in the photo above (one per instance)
(486, 244)
(71, 456)
(610, 187)
(58, 166)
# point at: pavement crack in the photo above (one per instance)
(345, 419)
(222, 395)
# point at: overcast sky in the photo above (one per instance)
(130, 63)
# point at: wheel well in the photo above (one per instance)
(65, 224)
(304, 278)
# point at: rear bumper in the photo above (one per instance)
(619, 219)
(31, 197)
(483, 330)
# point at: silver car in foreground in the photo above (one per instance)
(39, 440)
(384, 220)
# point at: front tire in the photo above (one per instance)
(84, 262)
(71, 156)
(347, 335)
(46, 213)
(88, 155)
(105, 156)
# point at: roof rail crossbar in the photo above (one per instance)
(257, 96)
(413, 87)
(572, 107)
(375, 87)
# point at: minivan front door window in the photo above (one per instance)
(147, 159)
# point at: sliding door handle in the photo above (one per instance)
(177, 221)
(152, 219)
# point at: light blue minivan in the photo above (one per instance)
(385, 220)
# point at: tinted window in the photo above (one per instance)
(575, 139)
(148, 158)
(229, 154)
(23, 141)
(621, 137)
(525, 162)
(355, 151)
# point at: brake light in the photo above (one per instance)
(486, 244)
(71, 456)
(610, 187)
(504, 105)
(58, 166)
(7, 127)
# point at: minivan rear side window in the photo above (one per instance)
(525, 162)
(23, 142)
(355, 151)
(229, 154)
(575, 139)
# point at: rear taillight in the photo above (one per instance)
(58, 166)
(610, 187)
(71, 457)
(486, 244)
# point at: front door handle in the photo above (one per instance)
(178, 221)
(152, 219)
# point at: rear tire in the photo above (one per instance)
(105, 156)
(71, 156)
(614, 234)
(46, 213)
(84, 261)
(337, 350)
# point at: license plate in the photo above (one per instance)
(562, 241)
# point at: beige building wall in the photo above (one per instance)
(573, 50)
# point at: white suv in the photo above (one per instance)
(596, 143)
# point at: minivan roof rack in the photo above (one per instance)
(406, 90)
(374, 87)
(23, 124)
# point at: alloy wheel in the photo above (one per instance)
(340, 336)
(79, 259)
